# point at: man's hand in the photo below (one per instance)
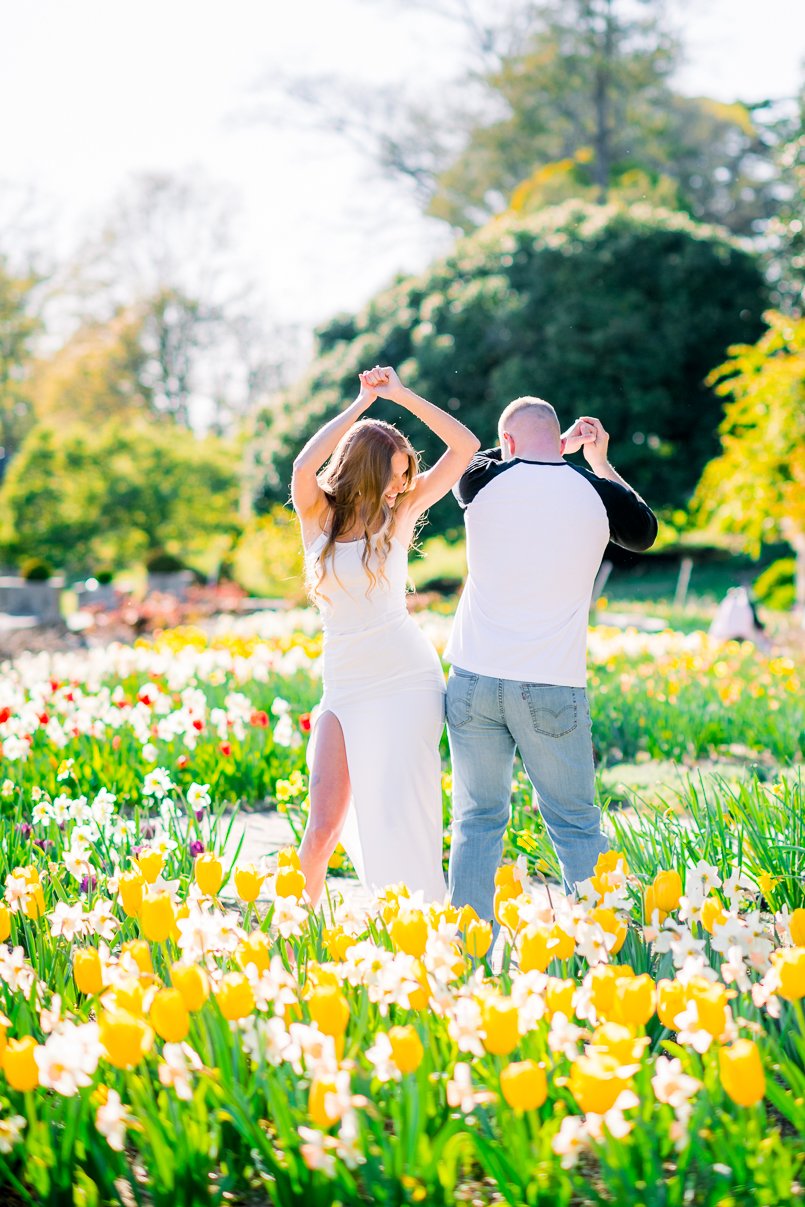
(582, 432)
(596, 449)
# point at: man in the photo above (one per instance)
(537, 528)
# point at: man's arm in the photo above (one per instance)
(632, 523)
(481, 469)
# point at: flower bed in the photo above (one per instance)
(165, 1040)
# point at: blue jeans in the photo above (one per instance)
(550, 726)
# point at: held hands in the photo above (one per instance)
(587, 433)
(381, 383)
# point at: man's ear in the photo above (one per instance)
(508, 441)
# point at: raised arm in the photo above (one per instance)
(632, 523)
(435, 483)
(307, 495)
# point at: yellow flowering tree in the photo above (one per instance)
(755, 488)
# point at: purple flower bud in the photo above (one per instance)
(24, 829)
(89, 884)
(199, 814)
(196, 847)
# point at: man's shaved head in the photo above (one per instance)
(529, 418)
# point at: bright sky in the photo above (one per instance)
(93, 92)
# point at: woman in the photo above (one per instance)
(375, 770)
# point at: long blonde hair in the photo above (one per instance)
(354, 482)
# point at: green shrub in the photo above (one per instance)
(164, 563)
(34, 570)
(619, 312)
(775, 586)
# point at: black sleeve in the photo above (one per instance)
(482, 469)
(632, 523)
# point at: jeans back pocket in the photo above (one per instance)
(554, 710)
(460, 691)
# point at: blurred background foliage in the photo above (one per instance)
(620, 248)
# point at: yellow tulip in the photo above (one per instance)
(19, 1064)
(650, 905)
(5, 923)
(88, 971)
(563, 944)
(596, 1082)
(150, 864)
(559, 997)
(508, 891)
(319, 974)
(406, 1048)
(668, 890)
(524, 1085)
(419, 997)
(34, 905)
(409, 932)
(169, 1016)
(796, 924)
(611, 861)
(130, 887)
(248, 882)
(634, 1000)
(602, 986)
(289, 882)
(337, 942)
(254, 949)
(711, 1002)
(619, 1042)
(127, 995)
(124, 1038)
(609, 921)
(508, 876)
(713, 914)
(329, 1009)
(157, 917)
(500, 1019)
(192, 983)
(789, 965)
(140, 952)
(320, 1088)
(466, 915)
(741, 1071)
(534, 953)
(235, 996)
(671, 1001)
(288, 857)
(477, 939)
(610, 868)
(209, 873)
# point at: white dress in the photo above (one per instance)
(384, 682)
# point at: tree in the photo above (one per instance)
(18, 328)
(614, 311)
(559, 80)
(97, 375)
(786, 233)
(755, 488)
(85, 497)
(164, 260)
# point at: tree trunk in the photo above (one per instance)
(601, 98)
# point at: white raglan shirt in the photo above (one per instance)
(536, 534)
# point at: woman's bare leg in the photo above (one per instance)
(329, 801)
